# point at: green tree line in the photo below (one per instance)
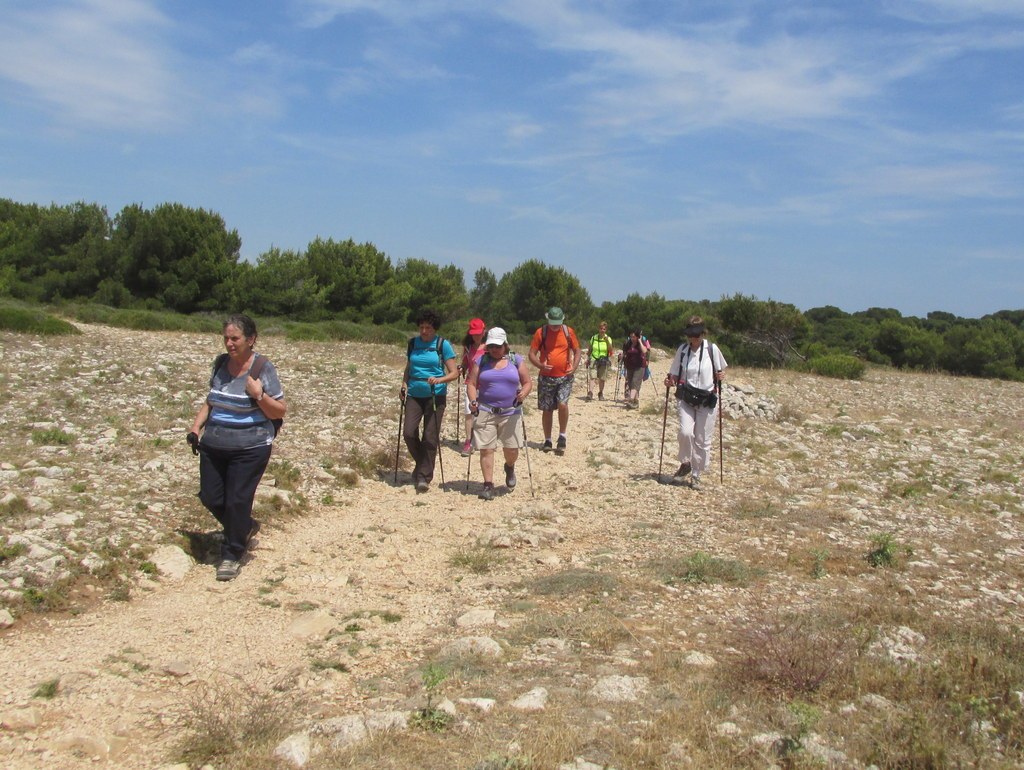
(172, 257)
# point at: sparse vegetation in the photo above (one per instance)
(886, 551)
(47, 690)
(701, 567)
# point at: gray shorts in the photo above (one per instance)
(552, 391)
(601, 368)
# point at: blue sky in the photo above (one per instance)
(819, 153)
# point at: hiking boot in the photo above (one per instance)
(590, 397)
(421, 487)
(228, 569)
(695, 483)
(487, 493)
(600, 396)
(547, 445)
(684, 470)
(560, 446)
(252, 533)
(467, 449)
(510, 476)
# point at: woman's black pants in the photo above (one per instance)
(227, 486)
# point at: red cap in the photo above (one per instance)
(476, 326)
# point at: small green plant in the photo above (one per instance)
(838, 366)
(148, 568)
(47, 690)
(818, 558)
(51, 437)
(803, 717)
(79, 486)
(351, 369)
(11, 551)
(429, 717)
(478, 560)
(886, 551)
(285, 474)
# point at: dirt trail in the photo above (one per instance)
(379, 556)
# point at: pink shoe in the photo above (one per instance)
(467, 449)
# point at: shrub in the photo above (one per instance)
(796, 654)
(28, 321)
(837, 365)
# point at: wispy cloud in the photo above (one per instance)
(98, 62)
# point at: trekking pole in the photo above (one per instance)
(440, 454)
(664, 424)
(398, 448)
(589, 360)
(458, 411)
(721, 457)
(618, 371)
(526, 450)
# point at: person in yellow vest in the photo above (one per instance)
(600, 352)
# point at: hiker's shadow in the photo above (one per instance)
(204, 547)
(666, 479)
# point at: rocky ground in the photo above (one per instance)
(571, 622)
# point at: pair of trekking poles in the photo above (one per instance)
(440, 454)
(664, 425)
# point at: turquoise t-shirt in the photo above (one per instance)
(423, 363)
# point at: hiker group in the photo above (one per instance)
(497, 382)
(234, 429)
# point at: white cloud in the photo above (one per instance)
(935, 182)
(99, 62)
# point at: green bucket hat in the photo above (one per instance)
(555, 315)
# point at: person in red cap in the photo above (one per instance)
(472, 350)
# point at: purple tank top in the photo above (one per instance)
(498, 387)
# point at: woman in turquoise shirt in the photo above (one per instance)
(430, 367)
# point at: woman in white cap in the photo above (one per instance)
(497, 386)
(697, 370)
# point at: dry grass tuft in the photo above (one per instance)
(237, 725)
(796, 654)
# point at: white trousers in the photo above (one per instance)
(696, 435)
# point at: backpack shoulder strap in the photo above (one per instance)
(257, 366)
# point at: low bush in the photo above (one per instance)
(30, 321)
(838, 366)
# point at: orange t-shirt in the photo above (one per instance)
(555, 350)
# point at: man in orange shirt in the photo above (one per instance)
(556, 352)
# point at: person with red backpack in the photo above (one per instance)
(636, 353)
(555, 350)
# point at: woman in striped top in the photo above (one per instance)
(238, 421)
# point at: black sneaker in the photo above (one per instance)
(228, 569)
(547, 445)
(487, 493)
(560, 446)
(600, 396)
(590, 397)
(684, 469)
(510, 476)
(422, 486)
